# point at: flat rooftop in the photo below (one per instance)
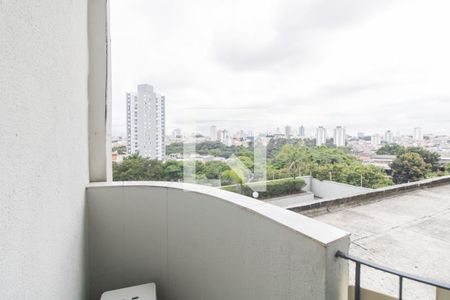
(409, 232)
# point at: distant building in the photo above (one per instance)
(321, 136)
(302, 132)
(375, 140)
(339, 136)
(146, 123)
(418, 136)
(361, 135)
(213, 133)
(388, 137)
(224, 137)
(240, 135)
(176, 133)
(288, 131)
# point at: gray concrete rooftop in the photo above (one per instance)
(409, 232)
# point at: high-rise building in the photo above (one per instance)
(240, 135)
(224, 137)
(388, 137)
(288, 131)
(213, 133)
(321, 136)
(375, 140)
(221, 134)
(339, 136)
(302, 132)
(360, 135)
(418, 136)
(146, 123)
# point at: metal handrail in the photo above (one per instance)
(401, 275)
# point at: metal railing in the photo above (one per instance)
(401, 275)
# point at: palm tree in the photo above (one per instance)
(293, 161)
(234, 177)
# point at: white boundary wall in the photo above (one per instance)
(330, 189)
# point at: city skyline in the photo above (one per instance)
(312, 62)
(310, 132)
(387, 133)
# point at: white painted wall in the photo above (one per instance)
(197, 242)
(44, 150)
(330, 189)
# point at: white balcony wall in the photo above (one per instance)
(44, 148)
(196, 243)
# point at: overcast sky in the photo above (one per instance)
(370, 65)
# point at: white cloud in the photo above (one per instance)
(370, 65)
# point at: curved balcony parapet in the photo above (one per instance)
(198, 242)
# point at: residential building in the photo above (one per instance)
(375, 140)
(146, 123)
(288, 132)
(418, 135)
(302, 132)
(388, 137)
(213, 133)
(339, 136)
(224, 137)
(321, 136)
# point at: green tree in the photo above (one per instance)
(120, 149)
(173, 170)
(174, 148)
(289, 158)
(137, 168)
(367, 176)
(408, 167)
(292, 157)
(429, 157)
(326, 163)
(391, 149)
(231, 177)
(214, 169)
(447, 168)
(248, 162)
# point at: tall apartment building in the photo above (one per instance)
(302, 132)
(213, 133)
(224, 137)
(339, 136)
(418, 136)
(321, 136)
(388, 137)
(146, 123)
(288, 132)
